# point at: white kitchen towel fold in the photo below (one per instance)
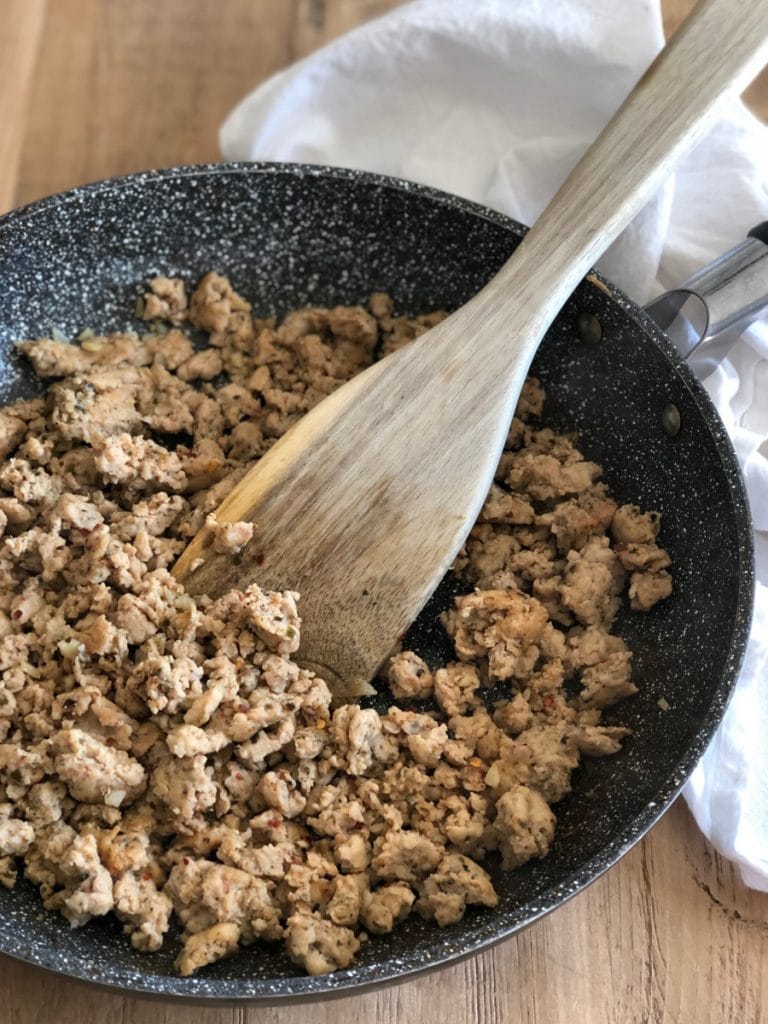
(495, 100)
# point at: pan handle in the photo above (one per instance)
(704, 317)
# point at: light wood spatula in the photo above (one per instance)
(363, 505)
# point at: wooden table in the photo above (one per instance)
(92, 88)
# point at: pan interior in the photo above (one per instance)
(289, 237)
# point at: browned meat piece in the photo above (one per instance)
(608, 681)
(273, 617)
(591, 645)
(344, 906)
(513, 716)
(524, 826)
(642, 557)
(631, 526)
(542, 757)
(45, 803)
(205, 893)
(381, 305)
(59, 359)
(67, 868)
(246, 441)
(207, 946)
(229, 538)
(502, 626)
(531, 401)
(165, 300)
(406, 856)
(317, 945)
(592, 583)
(385, 908)
(457, 883)
(599, 740)
(544, 477)
(574, 521)
(353, 324)
(353, 853)
(502, 507)
(143, 910)
(548, 591)
(466, 823)
(183, 786)
(95, 772)
(648, 588)
(169, 350)
(145, 464)
(78, 512)
(15, 837)
(455, 687)
(213, 303)
(488, 557)
(425, 738)
(124, 850)
(279, 790)
(12, 431)
(203, 365)
(28, 484)
(359, 738)
(409, 677)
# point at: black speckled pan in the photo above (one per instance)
(292, 235)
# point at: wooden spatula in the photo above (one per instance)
(363, 505)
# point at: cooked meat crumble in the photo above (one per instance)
(161, 754)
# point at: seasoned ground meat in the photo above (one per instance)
(409, 676)
(162, 755)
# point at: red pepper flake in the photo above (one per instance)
(146, 878)
(239, 776)
(619, 546)
(275, 822)
(17, 614)
(111, 741)
(185, 860)
(260, 558)
(548, 701)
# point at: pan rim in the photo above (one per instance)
(444, 947)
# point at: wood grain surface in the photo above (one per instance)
(91, 88)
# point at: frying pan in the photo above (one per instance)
(295, 235)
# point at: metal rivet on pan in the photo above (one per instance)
(670, 419)
(590, 329)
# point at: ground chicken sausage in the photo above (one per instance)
(162, 755)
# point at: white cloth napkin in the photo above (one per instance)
(495, 100)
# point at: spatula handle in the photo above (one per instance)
(718, 50)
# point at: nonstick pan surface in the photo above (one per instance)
(295, 235)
